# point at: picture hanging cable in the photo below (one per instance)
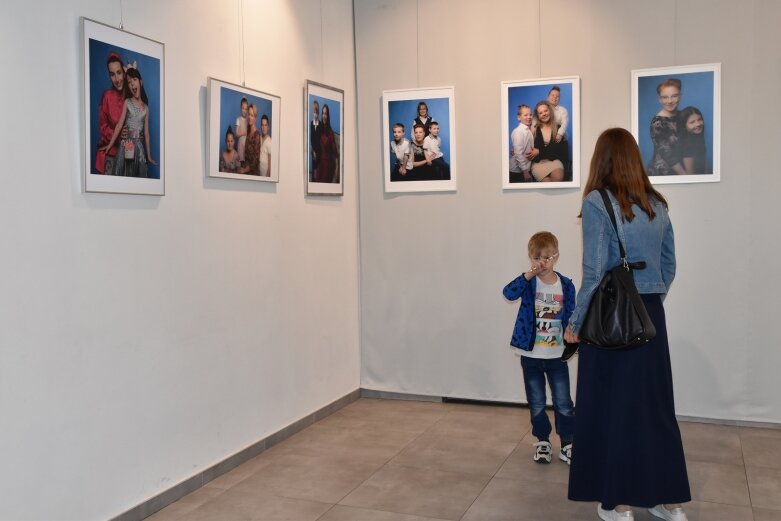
(675, 34)
(322, 40)
(539, 38)
(241, 41)
(417, 42)
(121, 16)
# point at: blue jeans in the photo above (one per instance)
(534, 372)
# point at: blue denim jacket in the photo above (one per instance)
(646, 240)
(524, 332)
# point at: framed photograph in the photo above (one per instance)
(418, 131)
(676, 119)
(323, 145)
(243, 132)
(541, 133)
(124, 102)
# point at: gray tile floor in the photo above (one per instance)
(393, 460)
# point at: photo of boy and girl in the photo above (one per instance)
(541, 144)
(676, 142)
(424, 156)
(125, 112)
(246, 149)
(324, 140)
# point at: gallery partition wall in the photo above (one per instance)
(146, 338)
(433, 265)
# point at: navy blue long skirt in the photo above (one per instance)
(627, 448)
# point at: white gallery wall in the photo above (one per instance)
(143, 339)
(434, 321)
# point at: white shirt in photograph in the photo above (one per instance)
(523, 141)
(402, 151)
(265, 154)
(432, 144)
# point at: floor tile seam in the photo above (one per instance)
(471, 504)
(517, 446)
(458, 472)
(321, 516)
(472, 438)
(379, 468)
(382, 425)
(386, 510)
(267, 494)
(745, 471)
(354, 430)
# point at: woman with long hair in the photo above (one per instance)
(627, 448)
(109, 111)
(328, 155)
(548, 156)
(252, 145)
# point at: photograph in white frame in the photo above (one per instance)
(124, 106)
(419, 139)
(243, 132)
(323, 139)
(541, 155)
(676, 120)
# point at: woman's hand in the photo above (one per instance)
(531, 154)
(570, 336)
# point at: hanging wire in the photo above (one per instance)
(241, 41)
(675, 34)
(322, 45)
(539, 37)
(121, 16)
(417, 43)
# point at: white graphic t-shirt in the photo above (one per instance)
(548, 302)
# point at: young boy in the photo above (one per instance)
(401, 150)
(523, 142)
(560, 114)
(241, 128)
(432, 143)
(547, 301)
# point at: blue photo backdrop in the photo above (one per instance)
(531, 95)
(230, 109)
(404, 111)
(99, 82)
(696, 90)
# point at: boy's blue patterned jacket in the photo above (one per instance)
(525, 327)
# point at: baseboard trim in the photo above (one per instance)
(191, 484)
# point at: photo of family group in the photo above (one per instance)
(540, 133)
(676, 121)
(123, 100)
(324, 114)
(243, 131)
(419, 140)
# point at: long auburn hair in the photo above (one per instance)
(618, 166)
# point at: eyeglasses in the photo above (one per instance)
(674, 97)
(545, 259)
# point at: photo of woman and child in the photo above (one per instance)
(246, 132)
(540, 142)
(675, 123)
(125, 116)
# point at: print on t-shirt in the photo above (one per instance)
(546, 306)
